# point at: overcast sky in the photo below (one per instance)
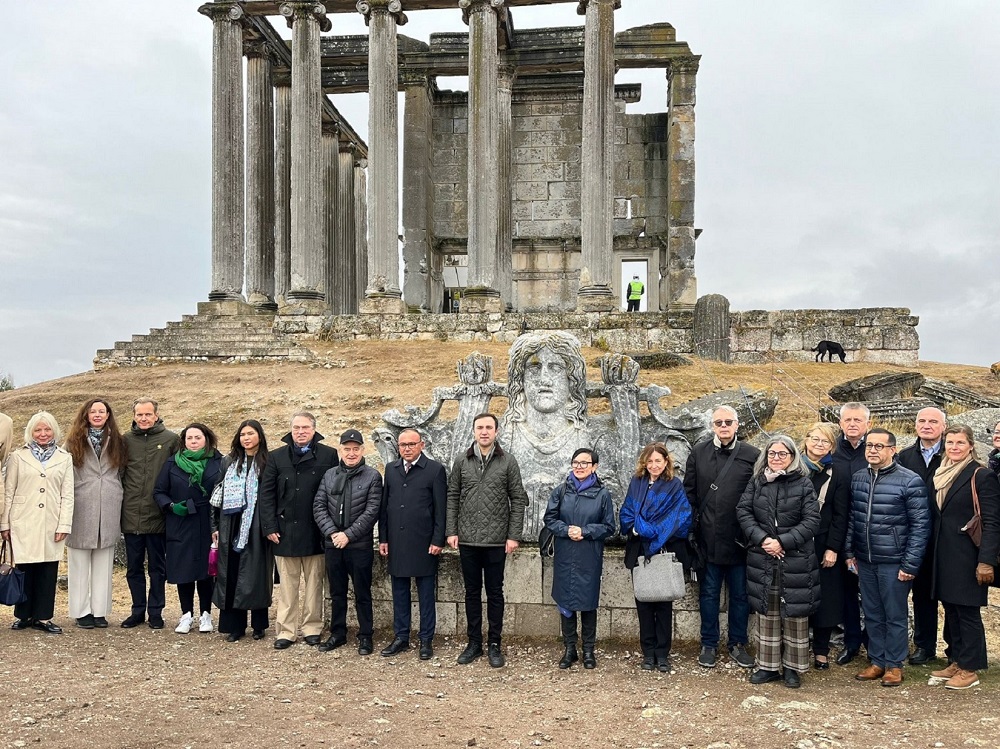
(847, 155)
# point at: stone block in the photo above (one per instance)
(530, 155)
(523, 577)
(786, 340)
(624, 625)
(532, 620)
(461, 125)
(448, 174)
(898, 338)
(534, 190)
(563, 153)
(564, 190)
(549, 210)
(574, 171)
(616, 583)
(751, 339)
(449, 581)
(539, 173)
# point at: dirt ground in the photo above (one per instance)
(142, 689)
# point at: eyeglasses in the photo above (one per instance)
(723, 422)
(408, 444)
(581, 463)
(996, 433)
(876, 447)
(820, 441)
(780, 454)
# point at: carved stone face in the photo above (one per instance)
(546, 383)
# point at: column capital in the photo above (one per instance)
(683, 64)
(480, 6)
(506, 74)
(361, 163)
(256, 48)
(282, 78)
(581, 8)
(295, 9)
(392, 7)
(418, 78)
(222, 11)
(331, 128)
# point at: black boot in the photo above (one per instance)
(569, 657)
(589, 661)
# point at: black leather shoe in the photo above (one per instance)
(365, 646)
(258, 634)
(921, 657)
(313, 639)
(426, 650)
(49, 627)
(156, 622)
(235, 636)
(648, 663)
(792, 679)
(663, 665)
(821, 665)
(332, 644)
(846, 656)
(395, 647)
(569, 657)
(589, 661)
(472, 651)
(283, 644)
(495, 656)
(100, 622)
(760, 676)
(133, 621)
(22, 624)
(85, 622)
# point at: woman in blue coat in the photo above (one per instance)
(581, 516)
(182, 491)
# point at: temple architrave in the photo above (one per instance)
(525, 193)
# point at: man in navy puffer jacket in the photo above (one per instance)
(887, 532)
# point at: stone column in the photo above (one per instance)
(505, 185)
(361, 227)
(308, 269)
(331, 216)
(346, 269)
(282, 187)
(597, 205)
(482, 293)
(227, 150)
(418, 191)
(678, 284)
(382, 294)
(260, 177)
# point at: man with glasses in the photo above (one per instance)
(888, 527)
(923, 458)
(411, 533)
(717, 472)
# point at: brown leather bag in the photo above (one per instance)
(974, 528)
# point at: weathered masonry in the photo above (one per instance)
(532, 187)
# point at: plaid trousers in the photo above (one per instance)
(775, 631)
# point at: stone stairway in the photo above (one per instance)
(221, 331)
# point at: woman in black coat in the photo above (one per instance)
(779, 516)
(833, 496)
(245, 576)
(962, 572)
(182, 491)
(993, 459)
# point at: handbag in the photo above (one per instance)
(974, 528)
(546, 539)
(216, 499)
(658, 578)
(11, 578)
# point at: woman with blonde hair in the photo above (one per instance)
(99, 454)
(37, 517)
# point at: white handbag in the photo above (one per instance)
(657, 578)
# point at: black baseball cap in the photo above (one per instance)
(352, 435)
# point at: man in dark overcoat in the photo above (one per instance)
(411, 532)
(287, 487)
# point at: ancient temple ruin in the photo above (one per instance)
(535, 182)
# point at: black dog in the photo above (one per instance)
(829, 348)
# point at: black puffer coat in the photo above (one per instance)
(349, 500)
(784, 509)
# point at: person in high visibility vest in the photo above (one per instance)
(635, 292)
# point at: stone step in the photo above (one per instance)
(901, 411)
(209, 336)
(947, 394)
(264, 322)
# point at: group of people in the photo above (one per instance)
(797, 533)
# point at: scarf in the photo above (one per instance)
(664, 513)
(582, 485)
(239, 494)
(193, 464)
(945, 476)
(42, 453)
(96, 437)
(770, 475)
(994, 461)
(822, 467)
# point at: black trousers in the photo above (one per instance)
(139, 546)
(483, 566)
(231, 619)
(185, 594)
(854, 634)
(821, 640)
(925, 609)
(656, 627)
(356, 564)
(633, 305)
(588, 629)
(966, 637)
(40, 589)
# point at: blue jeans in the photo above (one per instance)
(735, 577)
(401, 606)
(883, 598)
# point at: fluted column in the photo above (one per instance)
(382, 293)
(678, 284)
(346, 257)
(418, 190)
(482, 293)
(331, 216)
(505, 185)
(282, 188)
(361, 227)
(598, 159)
(260, 177)
(308, 267)
(227, 150)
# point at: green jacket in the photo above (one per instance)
(485, 507)
(147, 452)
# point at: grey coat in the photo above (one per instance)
(97, 507)
(486, 506)
(349, 500)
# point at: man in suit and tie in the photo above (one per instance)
(411, 532)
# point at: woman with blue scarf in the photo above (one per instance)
(245, 577)
(833, 492)
(656, 516)
(182, 491)
(581, 516)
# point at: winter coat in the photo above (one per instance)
(911, 458)
(955, 555)
(148, 450)
(287, 490)
(577, 565)
(255, 573)
(849, 460)
(411, 518)
(784, 509)
(361, 486)
(6, 438)
(97, 502)
(888, 522)
(486, 506)
(830, 537)
(189, 537)
(716, 526)
(38, 504)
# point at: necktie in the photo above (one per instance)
(406, 466)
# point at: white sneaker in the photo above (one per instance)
(205, 623)
(184, 625)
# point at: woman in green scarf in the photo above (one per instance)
(182, 491)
